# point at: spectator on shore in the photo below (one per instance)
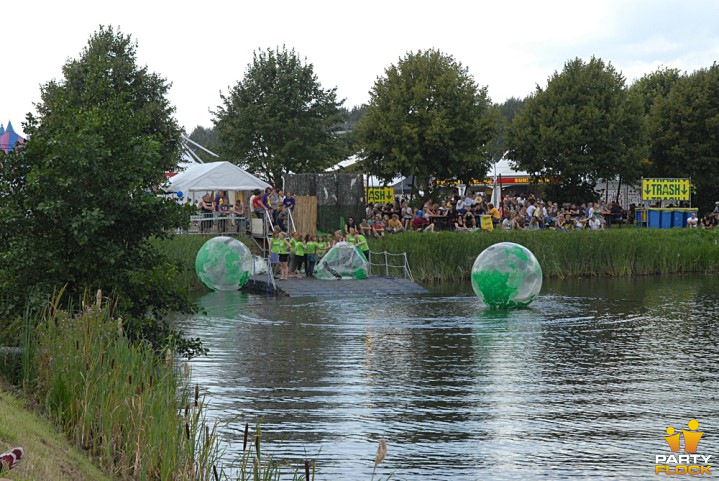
(258, 208)
(378, 227)
(507, 223)
(289, 202)
(394, 226)
(406, 215)
(494, 212)
(350, 224)
(206, 207)
(459, 224)
(364, 228)
(238, 211)
(595, 222)
(283, 217)
(420, 224)
(693, 221)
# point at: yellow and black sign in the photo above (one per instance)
(486, 222)
(381, 195)
(665, 189)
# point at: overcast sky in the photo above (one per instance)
(204, 47)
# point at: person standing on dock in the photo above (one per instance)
(311, 254)
(321, 247)
(300, 255)
(284, 256)
(361, 243)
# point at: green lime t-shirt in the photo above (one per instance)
(351, 239)
(293, 245)
(312, 247)
(361, 242)
(276, 245)
(321, 248)
(300, 248)
(283, 247)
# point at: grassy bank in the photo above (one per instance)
(47, 454)
(448, 256)
(128, 409)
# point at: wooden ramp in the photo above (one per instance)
(372, 286)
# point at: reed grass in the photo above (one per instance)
(129, 409)
(448, 256)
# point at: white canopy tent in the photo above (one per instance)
(213, 176)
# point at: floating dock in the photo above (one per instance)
(372, 286)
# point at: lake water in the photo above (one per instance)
(581, 385)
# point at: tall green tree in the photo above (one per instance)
(77, 208)
(279, 119)
(650, 88)
(685, 133)
(427, 118)
(582, 127)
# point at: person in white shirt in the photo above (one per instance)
(693, 221)
(595, 222)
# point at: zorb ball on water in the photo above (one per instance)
(506, 275)
(224, 264)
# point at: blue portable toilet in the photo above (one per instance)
(654, 218)
(678, 218)
(666, 218)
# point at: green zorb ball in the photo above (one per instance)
(224, 264)
(506, 276)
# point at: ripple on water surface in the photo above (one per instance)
(580, 385)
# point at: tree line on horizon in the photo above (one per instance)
(428, 118)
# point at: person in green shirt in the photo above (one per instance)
(275, 246)
(300, 251)
(311, 244)
(284, 256)
(361, 243)
(293, 253)
(321, 247)
(351, 236)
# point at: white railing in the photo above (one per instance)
(381, 262)
(217, 224)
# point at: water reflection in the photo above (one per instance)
(581, 384)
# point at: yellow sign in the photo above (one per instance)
(381, 195)
(486, 222)
(665, 189)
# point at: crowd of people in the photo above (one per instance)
(514, 212)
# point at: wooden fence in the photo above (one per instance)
(305, 214)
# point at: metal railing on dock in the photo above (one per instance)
(390, 265)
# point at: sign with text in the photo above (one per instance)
(381, 195)
(665, 189)
(486, 222)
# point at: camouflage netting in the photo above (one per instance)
(343, 261)
(338, 196)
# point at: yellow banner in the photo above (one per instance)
(486, 222)
(665, 189)
(382, 195)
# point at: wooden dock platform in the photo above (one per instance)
(372, 286)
